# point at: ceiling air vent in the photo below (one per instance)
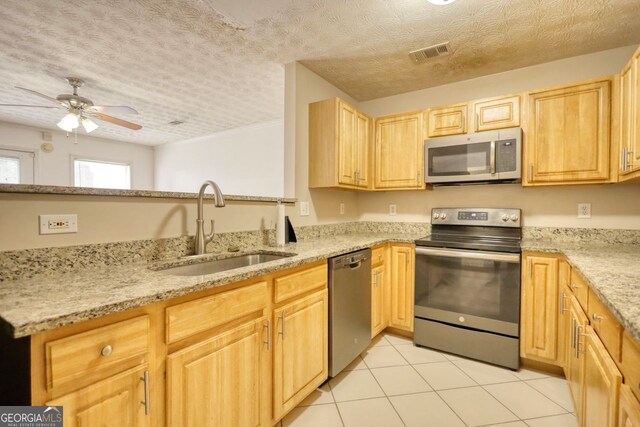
(176, 122)
(423, 55)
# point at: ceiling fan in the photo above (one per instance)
(81, 109)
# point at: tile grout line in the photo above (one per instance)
(335, 403)
(386, 396)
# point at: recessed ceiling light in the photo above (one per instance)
(441, 2)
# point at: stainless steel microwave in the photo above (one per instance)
(491, 157)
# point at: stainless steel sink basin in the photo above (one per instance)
(218, 265)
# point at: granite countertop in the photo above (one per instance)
(47, 302)
(612, 271)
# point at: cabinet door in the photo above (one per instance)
(218, 382)
(443, 121)
(300, 353)
(634, 157)
(497, 113)
(377, 300)
(362, 151)
(627, 118)
(539, 315)
(568, 134)
(564, 328)
(399, 156)
(575, 355)
(115, 402)
(402, 287)
(601, 384)
(629, 408)
(347, 144)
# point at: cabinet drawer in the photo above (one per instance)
(631, 363)
(580, 289)
(192, 317)
(377, 255)
(608, 328)
(97, 352)
(300, 282)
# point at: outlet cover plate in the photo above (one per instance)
(304, 208)
(58, 224)
(584, 210)
(341, 208)
(393, 209)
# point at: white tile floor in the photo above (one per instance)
(397, 384)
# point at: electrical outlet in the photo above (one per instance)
(341, 208)
(304, 208)
(392, 209)
(584, 210)
(58, 224)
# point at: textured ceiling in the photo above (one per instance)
(185, 60)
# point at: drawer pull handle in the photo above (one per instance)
(597, 317)
(268, 343)
(106, 350)
(574, 286)
(146, 402)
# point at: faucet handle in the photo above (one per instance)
(209, 237)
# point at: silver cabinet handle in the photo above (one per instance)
(573, 333)
(146, 402)
(623, 160)
(282, 319)
(268, 342)
(530, 172)
(597, 317)
(106, 350)
(492, 158)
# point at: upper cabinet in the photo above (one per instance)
(449, 120)
(399, 154)
(338, 145)
(630, 120)
(496, 113)
(567, 135)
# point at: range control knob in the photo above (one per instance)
(443, 216)
(505, 217)
(514, 217)
(436, 215)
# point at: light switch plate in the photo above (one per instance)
(584, 210)
(341, 208)
(58, 224)
(304, 208)
(392, 209)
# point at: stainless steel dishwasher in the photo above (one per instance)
(349, 308)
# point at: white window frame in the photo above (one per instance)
(72, 169)
(26, 150)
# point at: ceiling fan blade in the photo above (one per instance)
(115, 121)
(32, 106)
(41, 95)
(112, 109)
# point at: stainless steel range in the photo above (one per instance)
(467, 287)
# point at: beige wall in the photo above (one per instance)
(613, 206)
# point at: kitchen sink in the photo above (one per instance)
(218, 265)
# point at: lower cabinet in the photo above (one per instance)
(117, 401)
(378, 318)
(564, 323)
(402, 279)
(575, 356)
(629, 408)
(601, 383)
(220, 381)
(300, 350)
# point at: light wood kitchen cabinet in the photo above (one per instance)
(631, 363)
(568, 136)
(496, 113)
(606, 326)
(114, 402)
(628, 408)
(564, 324)
(575, 355)
(402, 279)
(338, 145)
(539, 313)
(399, 152)
(630, 119)
(378, 323)
(602, 381)
(300, 350)
(448, 120)
(219, 381)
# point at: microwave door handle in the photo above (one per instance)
(492, 156)
(453, 253)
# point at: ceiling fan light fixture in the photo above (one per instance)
(69, 122)
(441, 2)
(89, 125)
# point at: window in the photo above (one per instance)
(16, 167)
(101, 174)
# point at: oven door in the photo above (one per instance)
(473, 289)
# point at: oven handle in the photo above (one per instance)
(454, 253)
